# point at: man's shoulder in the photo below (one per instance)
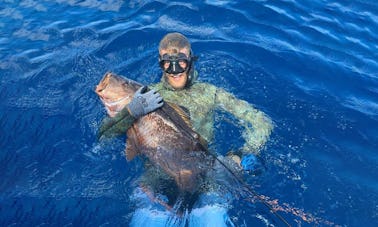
(156, 86)
(206, 85)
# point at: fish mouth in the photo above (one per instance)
(115, 92)
(111, 104)
(105, 81)
(103, 84)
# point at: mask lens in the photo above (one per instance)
(164, 64)
(174, 64)
(183, 63)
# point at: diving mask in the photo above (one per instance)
(174, 64)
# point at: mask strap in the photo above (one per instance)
(192, 59)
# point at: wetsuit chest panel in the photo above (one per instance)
(199, 99)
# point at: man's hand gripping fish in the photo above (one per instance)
(164, 136)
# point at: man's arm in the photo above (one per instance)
(117, 125)
(257, 125)
(143, 102)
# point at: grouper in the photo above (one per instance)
(164, 136)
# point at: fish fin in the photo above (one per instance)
(131, 147)
(182, 112)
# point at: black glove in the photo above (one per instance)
(144, 102)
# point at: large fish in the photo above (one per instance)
(163, 136)
(166, 138)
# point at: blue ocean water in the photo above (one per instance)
(310, 65)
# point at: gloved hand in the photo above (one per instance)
(248, 162)
(144, 102)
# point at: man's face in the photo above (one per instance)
(179, 80)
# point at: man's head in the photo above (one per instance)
(175, 59)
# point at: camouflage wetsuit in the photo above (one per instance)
(202, 100)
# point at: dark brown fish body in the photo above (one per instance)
(163, 136)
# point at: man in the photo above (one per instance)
(179, 85)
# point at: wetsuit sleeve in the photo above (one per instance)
(117, 125)
(257, 125)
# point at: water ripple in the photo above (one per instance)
(322, 34)
(108, 5)
(360, 104)
(311, 65)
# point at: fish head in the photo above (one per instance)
(115, 92)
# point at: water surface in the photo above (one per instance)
(310, 65)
